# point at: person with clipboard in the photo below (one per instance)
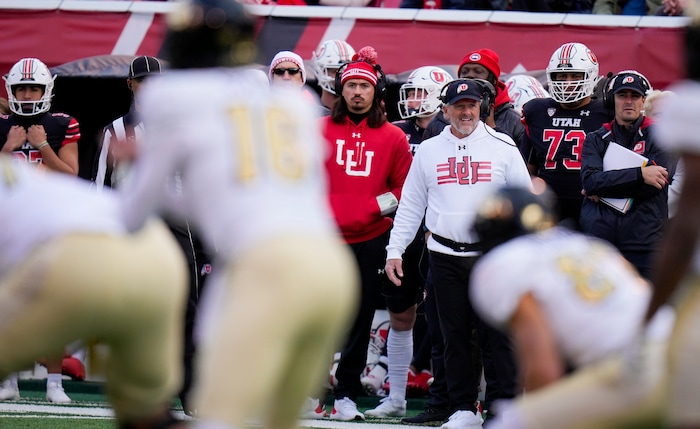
(627, 202)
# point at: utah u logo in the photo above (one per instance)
(357, 161)
(438, 76)
(464, 172)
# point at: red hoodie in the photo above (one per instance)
(363, 163)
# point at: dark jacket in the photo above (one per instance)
(641, 227)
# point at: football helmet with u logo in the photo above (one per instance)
(419, 96)
(572, 58)
(29, 71)
(327, 59)
(523, 88)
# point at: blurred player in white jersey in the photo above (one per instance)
(570, 303)
(70, 271)
(678, 267)
(253, 184)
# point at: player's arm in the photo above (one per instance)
(679, 242)
(68, 159)
(536, 349)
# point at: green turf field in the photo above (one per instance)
(91, 410)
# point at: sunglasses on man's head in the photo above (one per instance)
(280, 72)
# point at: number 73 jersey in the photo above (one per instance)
(555, 138)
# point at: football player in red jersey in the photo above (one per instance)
(556, 127)
(31, 132)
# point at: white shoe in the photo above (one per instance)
(372, 382)
(56, 394)
(389, 407)
(9, 391)
(463, 419)
(312, 409)
(346, 410)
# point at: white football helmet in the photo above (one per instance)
(523, 88)
(419, 95)
(327, 59)
(29, 71)
(576, 58)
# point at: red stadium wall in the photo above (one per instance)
(404, 38)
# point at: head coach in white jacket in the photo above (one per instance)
(450, 175)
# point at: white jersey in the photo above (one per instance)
(678, 128)
(592, 298)
(448, 179)
(38, 206)
(248, 159)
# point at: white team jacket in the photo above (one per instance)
(448, 179)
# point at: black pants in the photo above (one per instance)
(449, 276)
(199, 266)
(370, 256)
(439, 397)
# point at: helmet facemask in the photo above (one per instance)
(572, 58)
(571, 91)
(419, 96)
(416, 100)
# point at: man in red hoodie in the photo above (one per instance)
(368, 160)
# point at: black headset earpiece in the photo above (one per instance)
(488, 97)
(379, 89)
(443, 93)
(608, 99)
(338, 79)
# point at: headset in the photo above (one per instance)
(608, 96)
(488, 96)
(379, 88)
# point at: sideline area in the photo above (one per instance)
(90, 404)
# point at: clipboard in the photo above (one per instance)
(616, 158)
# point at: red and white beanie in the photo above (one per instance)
(485, 57)
(362, 66)
(283, 56)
